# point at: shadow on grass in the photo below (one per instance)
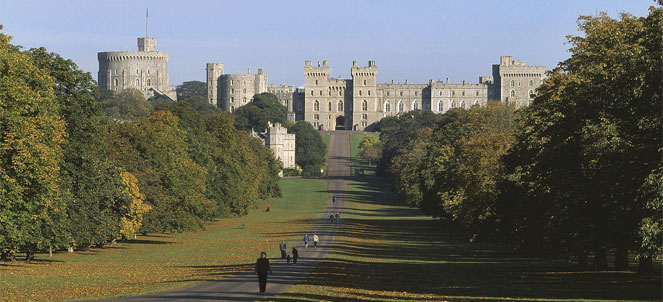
(390, 248)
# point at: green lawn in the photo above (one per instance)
(355, 160)
(388, 252)
(165, 261)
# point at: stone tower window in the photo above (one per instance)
(311, 92)
(477, 93)
(463, 93)
(137, 82)
(416, 93)
(137, 71)
(244, 90)
(530, 94)
(340, 93)
(232, 99)
(513, 93)
(116, 82)
(453, 92)
(476, 103)
(531, 83)
(330, 92)
(401, 93)
(415, 106)
(369, 92)
(316, 116)
(462, 104)
(387, 93)
(231, 82)
(330, 107)
(364, 82)
(340, 106)
(244, 101)
(149, 83)
(364, 106)
(232, 108)
(148, 71)
(316, 82)
(512, 83)
(387, 107)
(518, 83)
(360, 92)
(440, 106)
(400, 106)
(316, 106)
(440, 92)
(320, 92)
(364, 116)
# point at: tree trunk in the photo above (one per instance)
(645, 265)
(600, 259)
(581, 257)
(621, 259)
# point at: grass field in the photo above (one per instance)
(356, 161)
(166, 261)
(387, 252)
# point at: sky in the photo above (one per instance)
(409, 40)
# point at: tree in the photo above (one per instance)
(310, 150)
(127, 104)
(369, 148)
(30, 155)
(274, 110)
(136, 208)
(190, 89)
(263, 108)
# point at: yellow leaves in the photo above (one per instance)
(137, 207)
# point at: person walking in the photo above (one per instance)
(334, 200)
(282, 247)
(315, 240)
(295, 255)
(331, 218)
(306, 240)
(338, 218)
(262, 270)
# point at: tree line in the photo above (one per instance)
(577, 173)
(80, 167)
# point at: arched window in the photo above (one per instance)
(340, 106)
(316, 82)
(116, 83)
(320, 92)
(463, 93)
(440, 92)
(415, 106)
(518, 83)
(316, 106)
(476, 103)
(513, 93)
(369, 92)
(364, 82)
(359, 91)
(340, 93)
(149, 83)
(531, 83)
(401, 93)
(330, 106)
(530, 94)
(453, 93)
(400, 106)
(453, 104)
(462, 104)
(513, 83)
(440, 106)
(232, 108)
(387, 106)
(477, 93)
(137, 82)
(364, 106)
(311, 92)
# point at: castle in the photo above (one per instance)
(145, 70)
(360, 102)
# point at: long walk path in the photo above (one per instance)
(244, 286)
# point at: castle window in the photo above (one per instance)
(369, 92)
(531, 83)
(148, 71)
(232, 99)
(530, 94)
(477, 93)
(340, 106)
(316, 82)
(330, 106)
(320, 92)
(453, 104)
(440, 106)
(244, 101)
(440, 92)
(364, 106)
(231, 82)
(316, 116)
(340, 93)
(244, 90)
(416, 93)
(364, 116)
(400, 106)
(116, 82)
(415, 106)
(149, 83)
(329, 92)
(232, 91)
(316, 106)
(364, 82)
(513, 83)
(387, 93)
(513, 93)
(401, 93)
(359, 92)
(137, 71)
(476, 103)
(387, 107)
(453, 92)
(232, 108)
(462, 104)
(518, 83)
(463, 93)
(137, 82)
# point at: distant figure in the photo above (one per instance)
(282, 247)
(334, 200)
(288, 259)
(306, 240)
(338, 218)
(331, 218)
(269, 207)
(315, 240)
(262, 269)
(295, 255)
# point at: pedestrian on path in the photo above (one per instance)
(282, 246)
(306, 240)
(263, 269)
(295, 255)
(288, 259)
(331, 218)
(338, 218)
(334, 200)
(315, 240)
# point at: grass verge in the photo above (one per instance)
(166, 261)
(387, 252)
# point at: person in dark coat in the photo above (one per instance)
(262, 269)
(295, 255)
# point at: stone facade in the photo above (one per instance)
(282, 144)
(231, 91)
(285, 94)
(145, 70)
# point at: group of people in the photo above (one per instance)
(334, 218)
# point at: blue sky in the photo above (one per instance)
(413, 40)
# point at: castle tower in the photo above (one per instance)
(515, 81)
(365, 105)
(317, 94)
(214, 72)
